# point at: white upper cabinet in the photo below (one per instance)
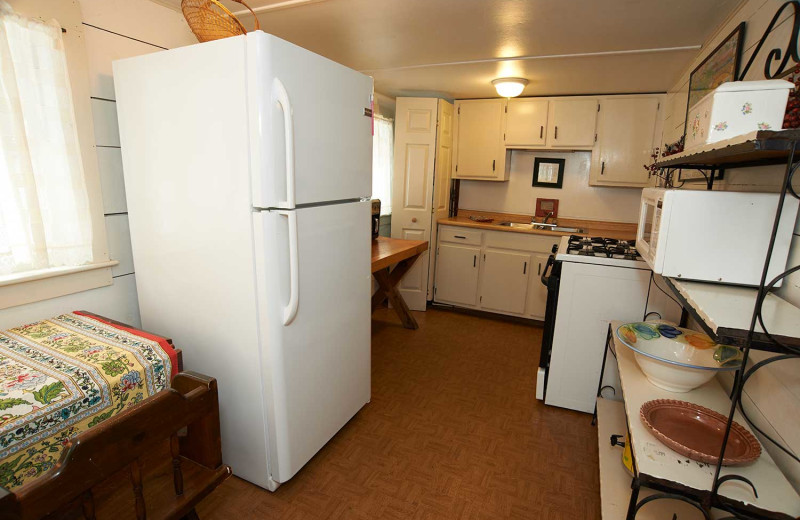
(526, 122)
(627, 129)
(478, 140)
(571, 123)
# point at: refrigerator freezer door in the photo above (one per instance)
(315, 344)
(311, 110)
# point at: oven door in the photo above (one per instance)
(550, 278)
(648, 229)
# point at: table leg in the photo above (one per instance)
(388, 289)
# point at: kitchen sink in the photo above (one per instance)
(558, 229)
(567, 229)
(515, 225)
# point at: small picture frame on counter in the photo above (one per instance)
(548, 173)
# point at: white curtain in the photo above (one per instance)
(44, 207)
(382, 161)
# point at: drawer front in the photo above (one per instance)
(460, 235)
(520, 241)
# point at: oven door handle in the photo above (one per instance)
(550, 261)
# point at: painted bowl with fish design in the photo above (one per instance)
(676, 359)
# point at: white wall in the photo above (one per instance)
(112, 29)
(576, 198)
(772, 396)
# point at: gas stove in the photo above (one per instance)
(599, 250)
(599, 246)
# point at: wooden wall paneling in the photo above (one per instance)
(119, 243)
(109, 162)
(103, 48)
(117, 301)
(106, 127)
(140, 19)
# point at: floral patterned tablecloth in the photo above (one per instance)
(61, 376)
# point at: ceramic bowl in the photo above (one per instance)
(676, 359)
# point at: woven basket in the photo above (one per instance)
(210, 20)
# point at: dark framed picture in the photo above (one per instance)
(548, 173)
(721, 65)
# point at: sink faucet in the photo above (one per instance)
(547, 217)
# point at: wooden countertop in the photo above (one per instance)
(388, 251)
(620, 230)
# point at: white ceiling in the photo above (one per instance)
(455, 48)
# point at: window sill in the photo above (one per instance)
(32, 286)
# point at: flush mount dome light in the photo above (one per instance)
(509, 87)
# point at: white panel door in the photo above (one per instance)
(526, 122)
(504, 283)
(571, 123)
(315, 361)
(589, 297)
(457, 270)
(441, 177)
(412, 188)
(314, 109)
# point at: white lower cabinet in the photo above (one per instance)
(494, 271)
(537, 292)
(457, 269)
(504, 283)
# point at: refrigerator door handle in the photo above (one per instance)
(280, 96)
(290, 310)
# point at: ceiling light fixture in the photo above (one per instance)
(509, 87)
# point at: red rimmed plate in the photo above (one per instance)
(696, 432)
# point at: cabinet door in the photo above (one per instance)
(457, 274)
(504, 284)
(526, 122)
(537, 292)
(480, 152)
(571, 123)
(626, 128)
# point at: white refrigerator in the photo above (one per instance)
(247, 165)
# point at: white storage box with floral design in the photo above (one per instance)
(737, 108)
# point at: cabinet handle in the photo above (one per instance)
(493, 160)
(525, 268)
(459, 236)
(602, 167)
(539, 272)
(541, 132)
(556, 137)
(474, 260)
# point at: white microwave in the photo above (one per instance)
(713, 236)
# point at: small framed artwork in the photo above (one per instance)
(548, 173)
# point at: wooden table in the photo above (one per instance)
(385, 253)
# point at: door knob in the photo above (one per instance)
(414, 219)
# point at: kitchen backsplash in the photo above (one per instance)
(576, 198)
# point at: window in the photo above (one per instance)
(44, 209)
(382, 162)
(52, 233)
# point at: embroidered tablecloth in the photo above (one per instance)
(61, 376)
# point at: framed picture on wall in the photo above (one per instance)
(548, 173)
(721, 65)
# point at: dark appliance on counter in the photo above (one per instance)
(376, 218)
